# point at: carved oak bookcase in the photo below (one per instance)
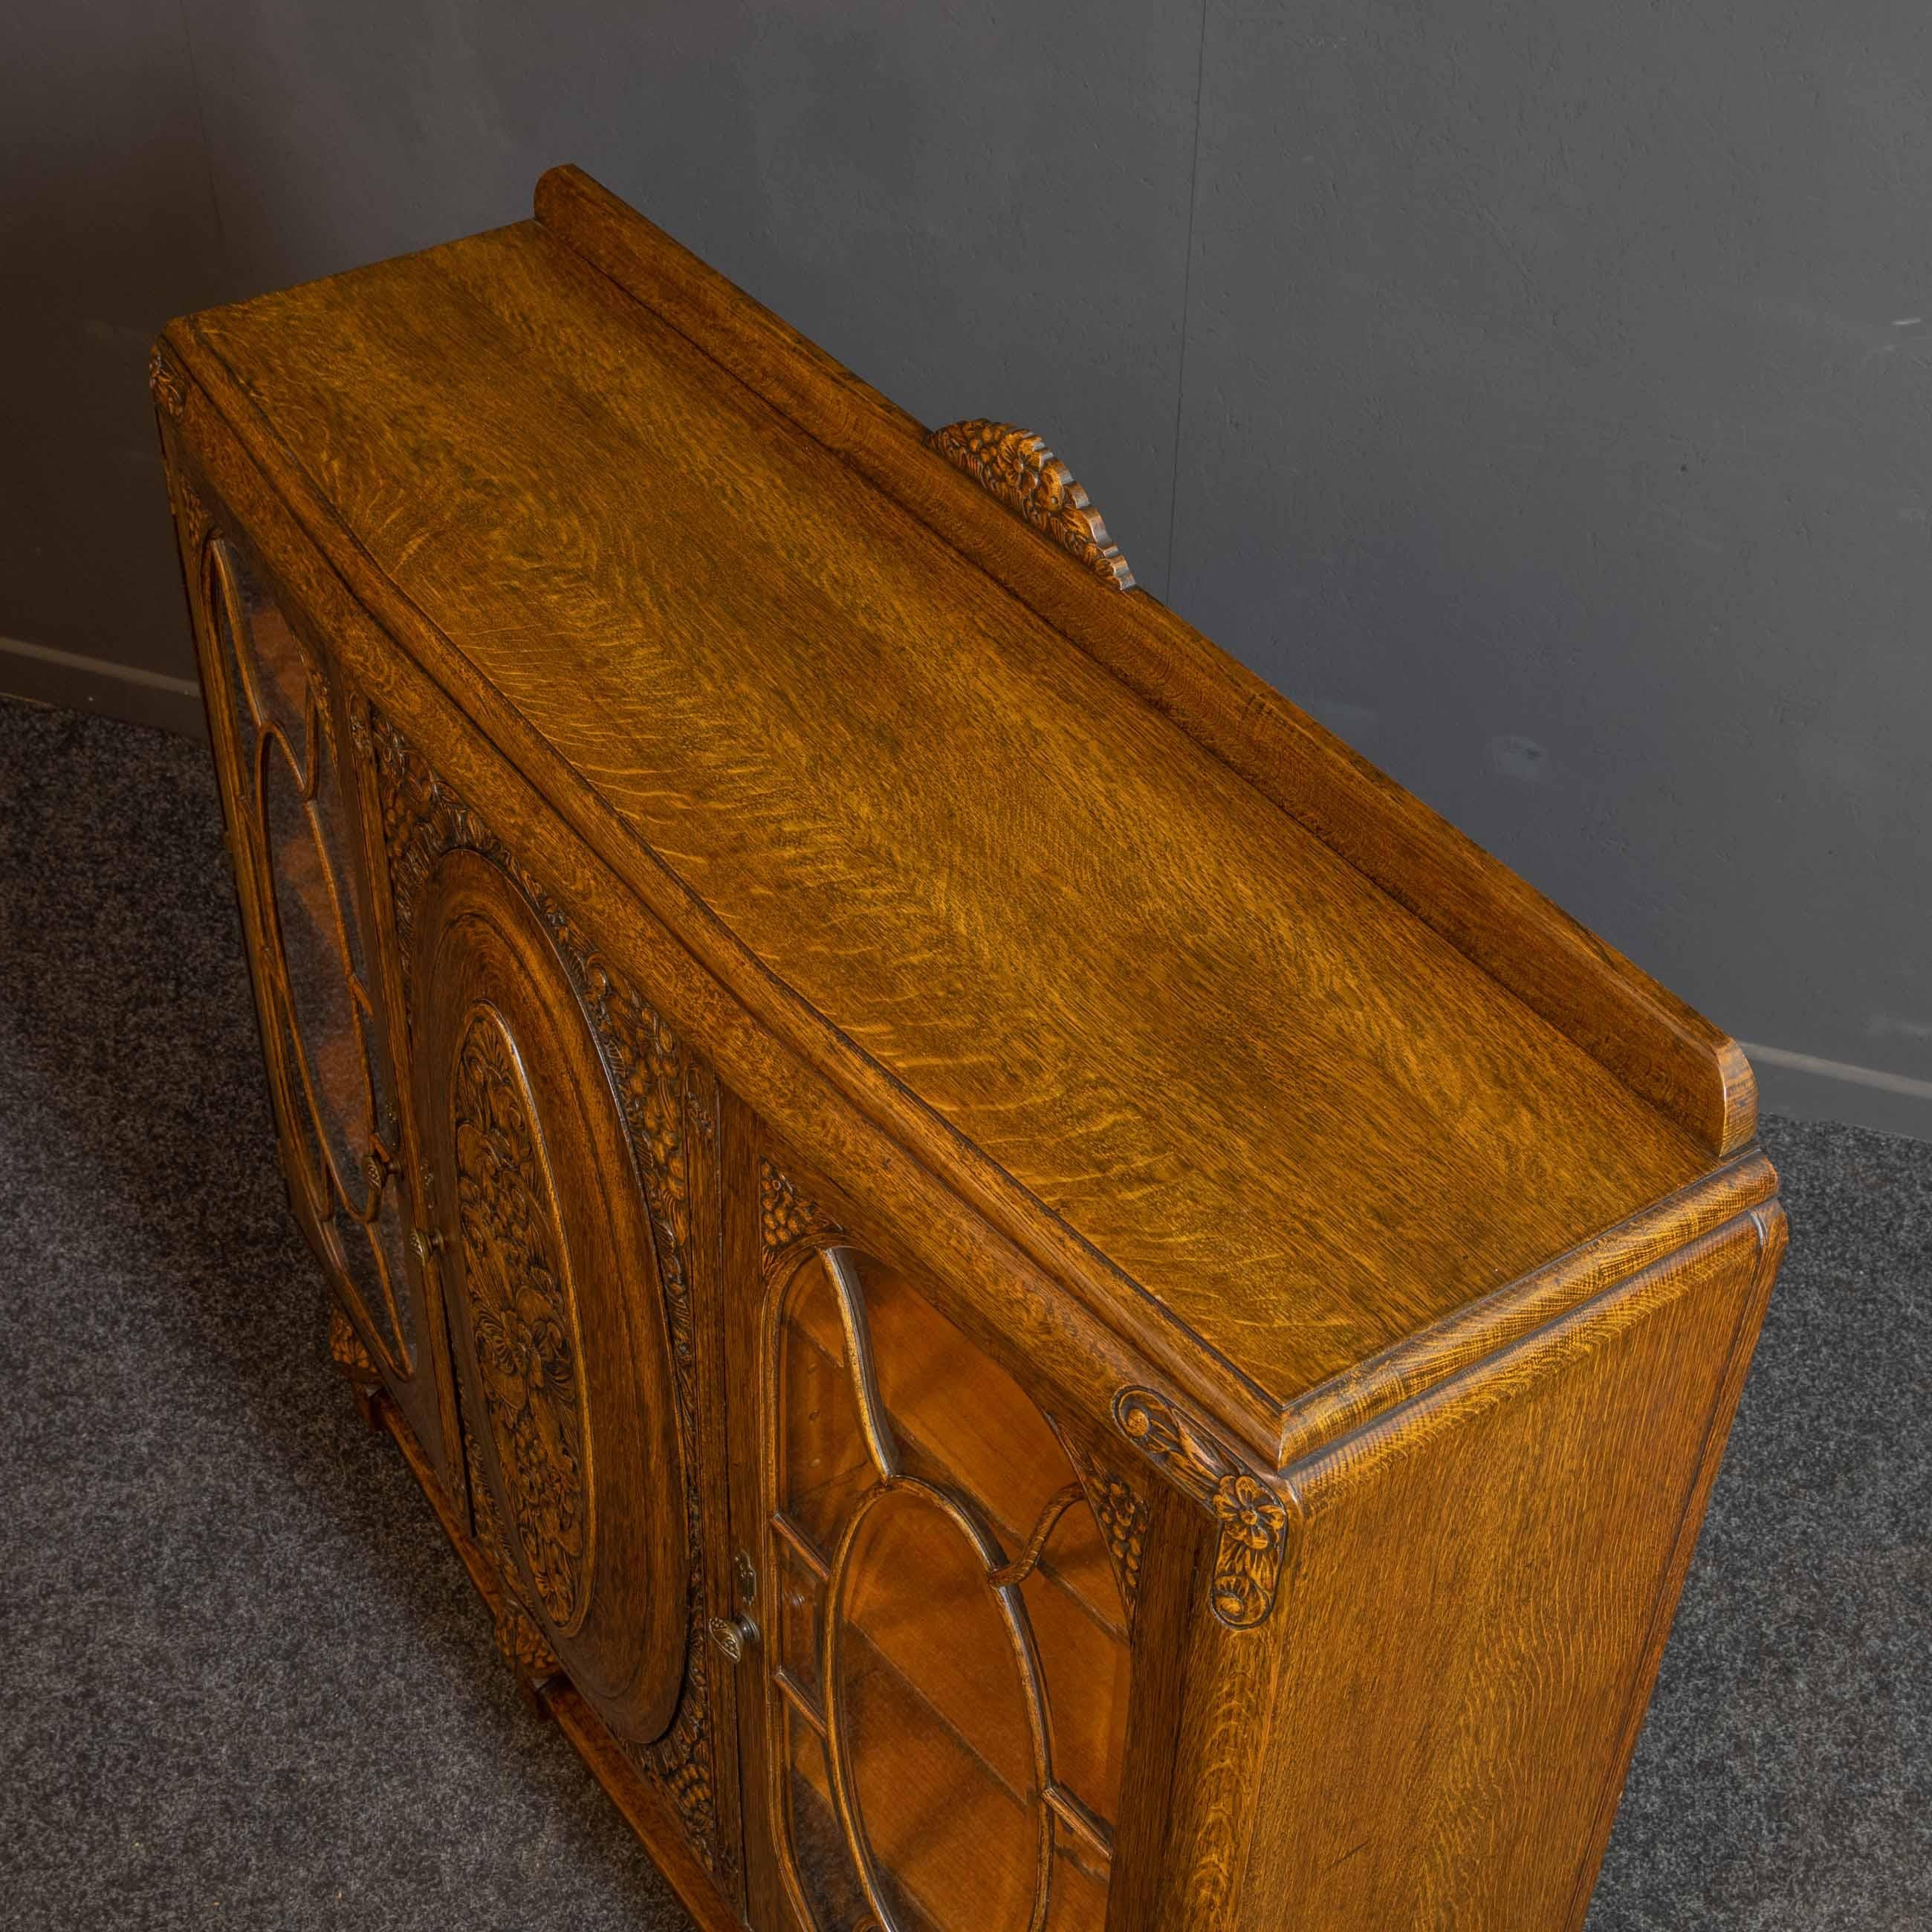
(1035, 1300)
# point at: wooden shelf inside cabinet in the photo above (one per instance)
(1086, 1662)
(942, 1818)
(948, 1632)
(963, 1430)
(669, 787)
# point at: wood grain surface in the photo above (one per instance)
(1290, 1114)
(898, 1022)
(1647, 1036)
(1480, 1605)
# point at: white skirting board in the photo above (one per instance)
(1814, 1089)
(44, 675)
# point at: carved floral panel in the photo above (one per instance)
(521, 1318)
(660, 1092)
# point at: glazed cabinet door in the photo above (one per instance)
(291, 775)
(949, 1575)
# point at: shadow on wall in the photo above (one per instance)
(1541, 397)
(1556, 404)
(107, 211)
(984, 211)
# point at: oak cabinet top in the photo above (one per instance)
(1164, 996)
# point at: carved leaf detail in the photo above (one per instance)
(517, 1635)
(1016, 467)
(521, 1641)
(166, 383)
(521, 1318)
(345, 1349)
(1123, 1518)
(1253, 1515)
(786, 1217)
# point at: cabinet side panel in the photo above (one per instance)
(1479, 1607)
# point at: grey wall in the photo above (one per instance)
(1537, 392)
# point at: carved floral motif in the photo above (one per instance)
(1253, 1515)
(787, 1217)
(517, 1635)
(523, 1644)
(346, 1352)
(1016, 465)
(659, 1088)
(1123, 1518)
(521, 1318)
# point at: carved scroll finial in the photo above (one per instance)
(1016, 466)
(1252, 1514)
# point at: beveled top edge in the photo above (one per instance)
(1479, 1328)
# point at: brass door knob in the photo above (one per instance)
(734, 1636)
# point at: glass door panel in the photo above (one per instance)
(316, 973)
(340, 1119)
(948, 1652)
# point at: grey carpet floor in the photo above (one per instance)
(246, 1683)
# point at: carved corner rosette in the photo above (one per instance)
(1256, 1517)
(423, 818)
(1016, 467)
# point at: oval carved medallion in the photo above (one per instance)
(522, 1316)
(561, 1320)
